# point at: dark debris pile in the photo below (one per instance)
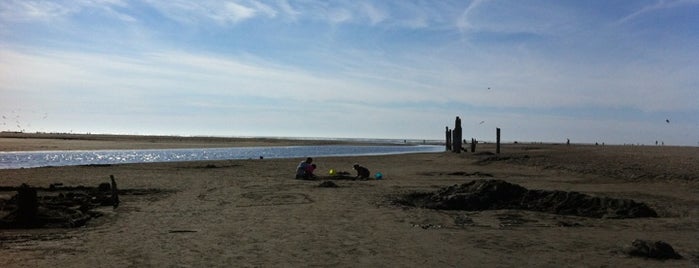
(56, 206)
(480, 195)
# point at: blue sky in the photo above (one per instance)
(588, 71)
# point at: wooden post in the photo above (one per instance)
(115, 192)
(27, 206)
(497, 134)
(448, 134)
(456, 136)
(473, 145)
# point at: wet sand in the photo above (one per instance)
(247, 213)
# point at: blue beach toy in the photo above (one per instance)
(378, 175)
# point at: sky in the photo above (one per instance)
(616, 72)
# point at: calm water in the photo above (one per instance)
(10, 160)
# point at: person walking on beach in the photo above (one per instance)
(302, 170)
(362, 172)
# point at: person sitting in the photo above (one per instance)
(302, 169)
(362, 172)
(309, 171)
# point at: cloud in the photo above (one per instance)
(170, 72)
(462, 22)
(233, 12)
(207, 89)
(29, 11)
(230, 13)
(660, 5)
(221, 12)
(19, 10)
(288, 10)
(375, 14)
(264, 9)
(339, 15)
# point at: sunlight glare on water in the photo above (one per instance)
(11, 160)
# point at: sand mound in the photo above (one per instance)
(652, 249)
(327, 184)
(499, 194)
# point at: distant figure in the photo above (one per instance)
(362, 172)
(568, 142)
(302, 168)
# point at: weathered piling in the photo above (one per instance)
(456, 136)
(27, 205)
(115, 192)
(497, 138)
(473, 145)
(448, 134)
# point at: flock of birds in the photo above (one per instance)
(15, 119)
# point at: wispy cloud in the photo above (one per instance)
(288, 10)
(375, 14)
(27, 11)
(462, 21)
(659, 5)
(220, 12)
(17, 10)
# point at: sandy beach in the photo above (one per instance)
(253, 213)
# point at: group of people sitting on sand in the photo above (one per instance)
(305, 169)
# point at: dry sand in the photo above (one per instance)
(11, 141)
(253, 213)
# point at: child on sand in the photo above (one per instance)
(303, 168)
(362, 172)
(309, 171)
